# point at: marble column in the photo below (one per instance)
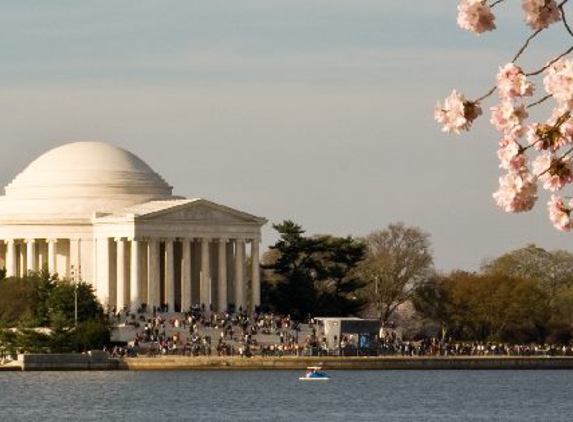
(11, 258)
(2, 254)
(239, 275)
(135, 276)
(205, 280)
(121, 274)
(52, 256)
(41, 251)
(153, 273)
(169, 276)
(230, 272)
(255, 275)
(222, 281)
(102, 270)
(186, 299)
(30, 256)
(22, 258)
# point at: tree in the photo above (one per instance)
(18, 298)
(312, 275)
(398, 260)
(432, 300)
(336, 282)
(41, 300)
(45, 283)
(293, 291)
(490, 307)
(553, 270)
(485, 307)
(549, 140)
(61, 302)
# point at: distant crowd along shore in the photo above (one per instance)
(201, 332)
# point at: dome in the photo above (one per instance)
(81, 178)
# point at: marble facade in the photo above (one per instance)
(127, 234)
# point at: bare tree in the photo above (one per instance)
(398, 260)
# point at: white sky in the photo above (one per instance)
(318, 111)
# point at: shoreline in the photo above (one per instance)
(78, 362)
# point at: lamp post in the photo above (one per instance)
(76, 306)
(76, 276)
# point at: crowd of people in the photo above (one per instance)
(203, 332)
(390, 345)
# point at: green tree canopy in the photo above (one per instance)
(312, 275)
(485, 307)
(40, 300)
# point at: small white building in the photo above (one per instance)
(96, 212)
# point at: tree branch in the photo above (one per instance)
(563, 16)
(541, 100)
(525, 45)
(537, 72)
(483, 97)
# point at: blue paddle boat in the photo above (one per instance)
(314, 373)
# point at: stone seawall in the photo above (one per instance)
(93, 360)
(102, 362)
(352, 363)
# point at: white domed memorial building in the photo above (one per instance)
(96, 212)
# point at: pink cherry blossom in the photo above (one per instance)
(558, 82)
(560, 214)
(511, 155)
(508, 118)
(566, 130)
(475, 16)
(457, 114)
(544, 136)
(552, 171)
(539, 14)
(511, 82)
(517, 192)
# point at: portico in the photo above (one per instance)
(175, 253)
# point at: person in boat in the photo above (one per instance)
(315, 373)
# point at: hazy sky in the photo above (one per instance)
(320, 111)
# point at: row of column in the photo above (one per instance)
(164, 270)
(32, 257)
(140, 268)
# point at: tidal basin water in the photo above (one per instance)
(280, 396)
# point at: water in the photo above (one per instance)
(279, 396)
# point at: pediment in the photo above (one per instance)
(203, 212)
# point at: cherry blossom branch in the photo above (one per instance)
(558, 160)
(563, 17)
(525, 45)
(517, 55)
(537, 72)
(495, 3)
(553, 167)
(560, 121)
(569, 50)
(541, 100)
(566, 154)
(483, 97)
